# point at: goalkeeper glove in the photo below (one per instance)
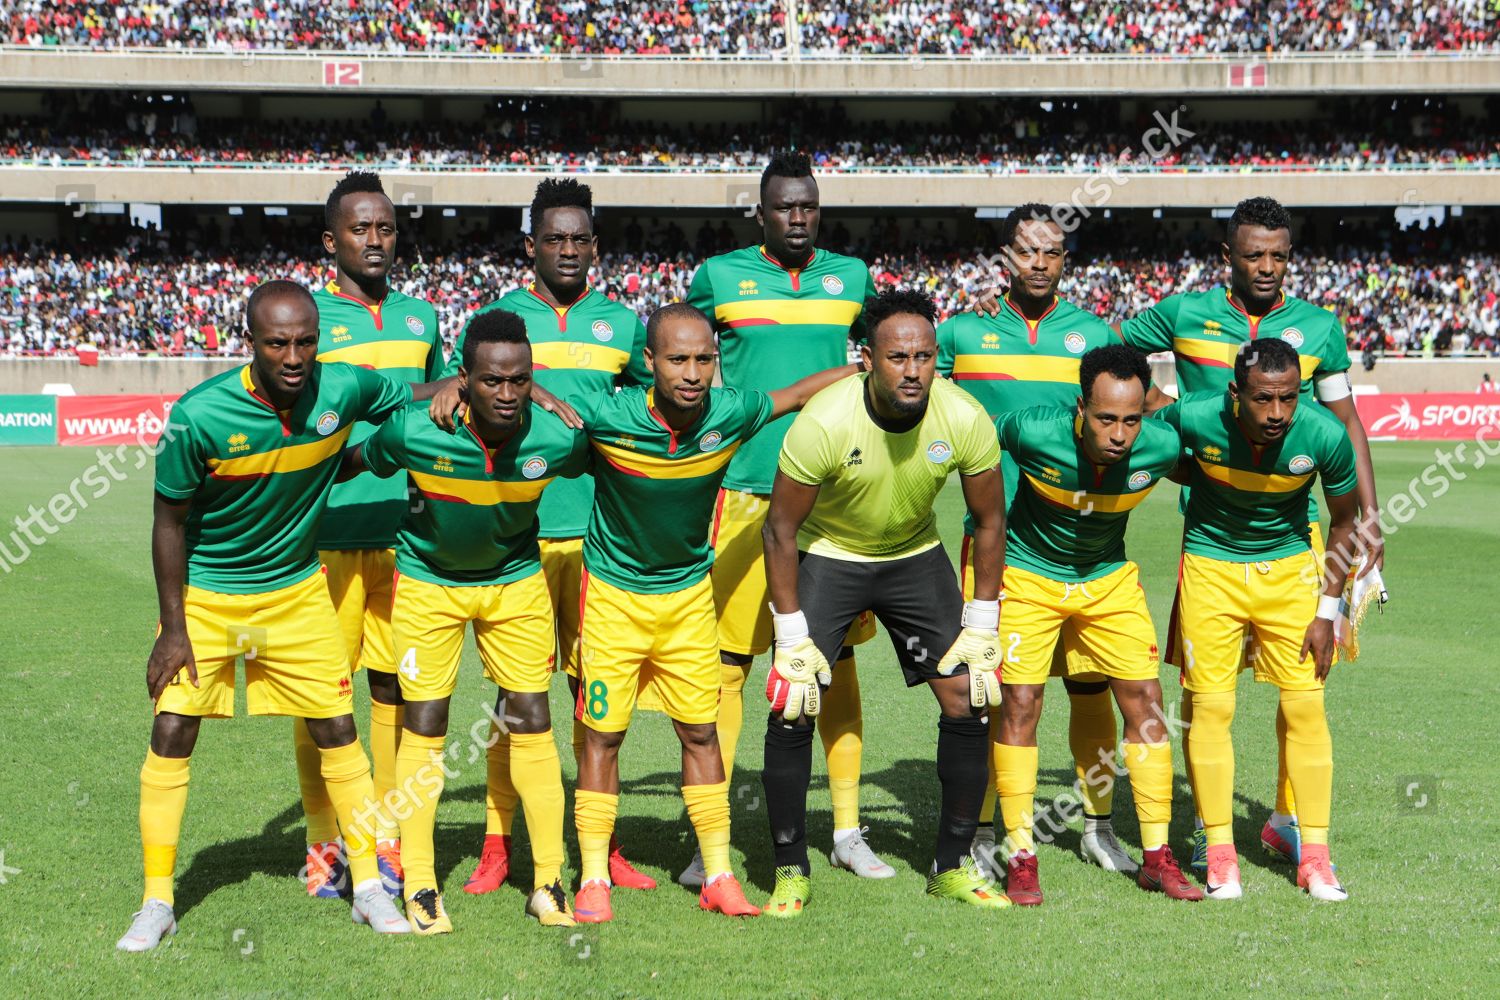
(797, 669)
(978, 646)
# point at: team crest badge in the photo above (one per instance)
(833, 285)
(603, 332)
(1300, 465)
(939, 452)
(416, 326)
(1139, 480)
(1292, 336)
(710, 441)
(328, 422)
(534, 467)
(1074, 342)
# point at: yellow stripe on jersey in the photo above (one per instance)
(830, 312)
(657, 467)
(579, 357)
(1252, 482)
(269, 463)
(480, 492)
(1222, 355)
(382, 354)
(1083, 500)
(1020, 367)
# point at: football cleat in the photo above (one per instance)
(986, 855)
(1223, 880)
(1282, 841)
(723, 894)
(152, 922)
(388, 860)
(426, 912)
(1161, 873)
(1199, 861)
(493, 867)
(1315, 874)
(373, 907)
(1021, 882)
(966, 885)
(623, 874)
(327, 871)
(1100, 847)
(591, 905)
(549, 905)
(791, 895)
(854, 854)
(694, 875)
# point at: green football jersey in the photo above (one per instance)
(593, 344)
(1011, 363)
(1248, 502)
(474, 517)
(776, 326)
(1067, 521)
(258, 478)
(656, 489)
(398, 338)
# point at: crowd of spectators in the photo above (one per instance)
(748, 27)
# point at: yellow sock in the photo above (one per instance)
(164, 791)
(731, 712)
(594, 814)
(1309, 761)
(987, 810)
(385, 743)
(578, 729)
(708, 809)
(322, 822)
(1187, 759)
(1286, 802)
(1015, 784)
(419, 774)
(842, 730)
(346, 775)
(1212, 763)
(499, 791)
(1150, 767)
(536, 771)
(1091, 731)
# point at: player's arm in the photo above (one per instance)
(798, 668)
(173, 650)
(1370, 538)
(795, 396)
(985, 496)
(1343, 510)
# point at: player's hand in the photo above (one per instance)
(1370, 544)
(797, 671)
(448, 406)
(987, 302)
(541, 397)
(1319, 642)
(171, 653)
(980, 650)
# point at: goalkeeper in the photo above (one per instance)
(851, 528)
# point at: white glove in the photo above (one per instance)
(797, 669)
(978, 647)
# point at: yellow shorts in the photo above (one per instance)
(296, 662)
(1061, 666)
(359, 581)
(562, 562)
(512, 628)
(664, 645)
(1104, 625)
(739, 577)
(1226, 606)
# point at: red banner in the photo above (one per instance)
(1428, 416)
(106, 420)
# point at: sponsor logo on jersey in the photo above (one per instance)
(238, 443)
(1048, 472)
(939, 452)
(1300, 465)
(1212, 326)
(443, 464)
(625, 440)
(710, 441)
(1292, 336)
(1074, 342)
(340, 334)
(833, 285)
(603, 332)
(1139, 480)
(747, 287)
(328, 422)
(1212, 453)
(990, 340)
(345, 687)
(416, 326)
(534, 467)
(854, 458)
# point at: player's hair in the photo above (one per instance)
(561, 192)
(787, 163)
(672, 310)
(494, 327)
(1033, 211)
(897, 303)
(354, 182)
(271, 290)
(1116, 360)
(1268, 354)
(1267, 213)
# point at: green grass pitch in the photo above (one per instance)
(1417, 710)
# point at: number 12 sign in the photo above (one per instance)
(342, 74)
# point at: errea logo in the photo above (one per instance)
(1213, 453)
(990, 340)
(238, 443)
(443, 464)
(1212, 326)
(1048, 472)
(747, 287)
(339, 334)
